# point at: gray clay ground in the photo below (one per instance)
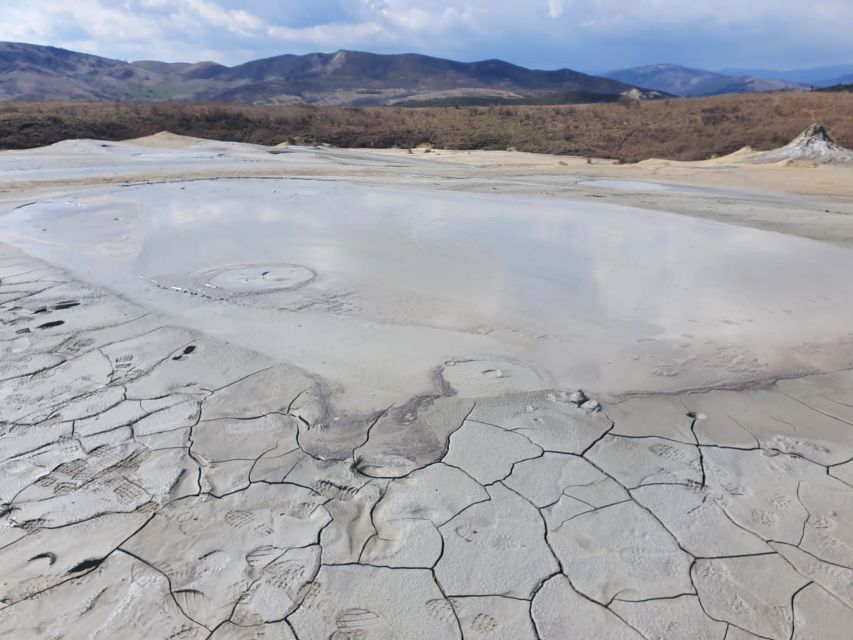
(157, 483)
(160, 483)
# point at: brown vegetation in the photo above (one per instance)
(629, 131)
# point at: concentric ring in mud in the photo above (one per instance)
(490, 376)
(254, 279)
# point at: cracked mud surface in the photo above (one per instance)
(160, 481)
(155, 482)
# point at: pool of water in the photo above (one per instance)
(379, 285)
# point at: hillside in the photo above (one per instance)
(29, 72)
(34, 73)
(686, 82)
(629, 131)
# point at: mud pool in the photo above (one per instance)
(345, 278)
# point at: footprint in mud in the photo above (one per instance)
(45, 481)
(33, 526)
(247, 520)
(181, 573)
(284, 574)
(781, 502)
(184, 352)
(441, 610)
(765, 518)
(80, 344)
(73, 468)
(124, 361)
(484, 623)
(148, 507)
(262, 555)
(334, 491)
(125, 492)
(825, 521)
(301, 510)
(310, 595)
(64, 488)
(668, 453)
(190, 599)
(351, 619)
(51, 325)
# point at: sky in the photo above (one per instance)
(588, 35)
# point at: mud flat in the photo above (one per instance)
(269, 407)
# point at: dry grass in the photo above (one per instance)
(631, 131)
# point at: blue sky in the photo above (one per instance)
(589, 35)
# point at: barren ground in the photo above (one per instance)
(309, 394)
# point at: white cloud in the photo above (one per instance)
(329, 36)
(236, 21)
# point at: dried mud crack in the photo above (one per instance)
(146, 490)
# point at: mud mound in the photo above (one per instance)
(813, 145)
(166, 139)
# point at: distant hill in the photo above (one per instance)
(687, 82)
(838, 88)
(844, 81)
(815, 77)
(33, 72)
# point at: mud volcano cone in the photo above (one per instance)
(814, 139)
(813, 145)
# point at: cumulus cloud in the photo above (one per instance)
(577, 33)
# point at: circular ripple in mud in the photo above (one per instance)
(251, 279)
(470, 377)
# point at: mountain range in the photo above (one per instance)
(691, 83)
(816, 77)
(34, 72)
